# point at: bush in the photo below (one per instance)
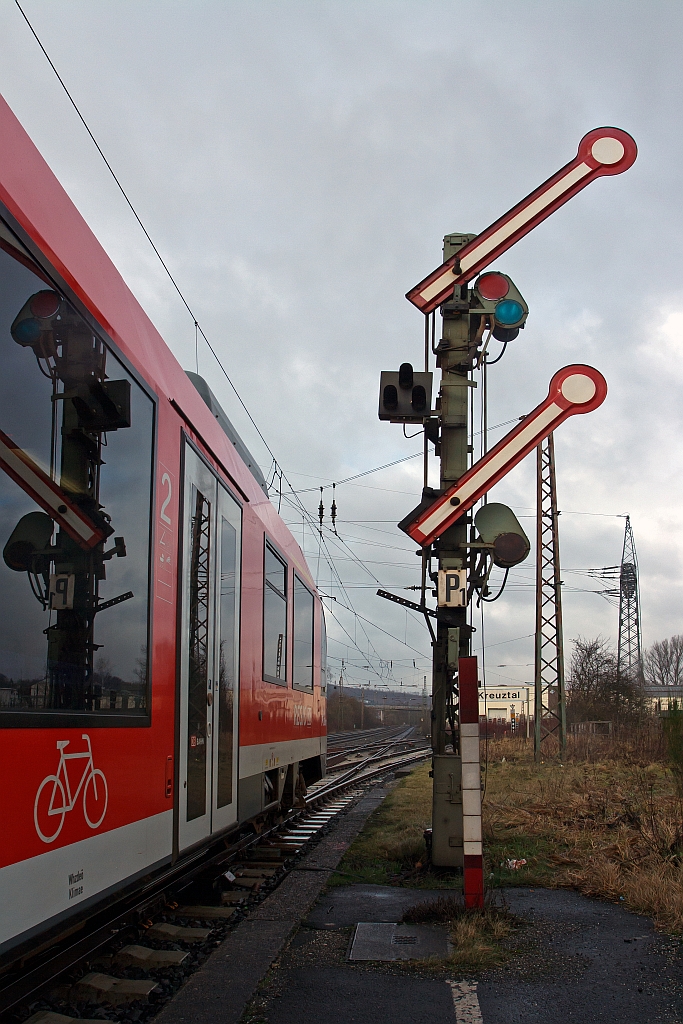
(673, 733)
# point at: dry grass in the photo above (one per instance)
(611, 828)
(475, 935)
(607, 822)
(642, 745)
(476, 939)
(392, 842)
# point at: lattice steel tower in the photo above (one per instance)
(550, 723)
(630, 657)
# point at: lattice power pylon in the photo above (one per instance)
(630, 656)
(550, 727)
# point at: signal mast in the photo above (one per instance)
(466, 547)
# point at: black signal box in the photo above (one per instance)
(406, 396)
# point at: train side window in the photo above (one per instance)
(302, 676)
(76, 445)
(323, 651)
(274, 618)
(228, 660)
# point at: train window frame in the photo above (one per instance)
(323, 650)
(302, 687)
(231, 488)
(268, 545)
(73, 719)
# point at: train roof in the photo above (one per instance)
(213, 404)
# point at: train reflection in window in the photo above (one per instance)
(274, 618)
(228, 664)
(303, 636)
(76, 435)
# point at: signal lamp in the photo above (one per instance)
(498, 525)
(34, 318)
(497, 296)
(44, 304)
(405, 375)
(419, 398)
(27, 332)
(390, 397)
(30, 537)
(509, 313)
(406, 396)
(493, 286)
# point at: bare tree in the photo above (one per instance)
(595, 692)
(664, 662)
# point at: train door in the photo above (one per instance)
(209, 654)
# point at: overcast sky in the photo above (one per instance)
(297, 164)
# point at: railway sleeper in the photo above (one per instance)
(166, 932)
(205, 913)
(147, 958)
(50, 1017)
(104, 988)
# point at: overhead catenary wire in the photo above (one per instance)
(386, 465)
(197, 325)
(278, 471)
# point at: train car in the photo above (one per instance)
(162, 642)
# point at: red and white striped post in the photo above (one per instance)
(473, 864)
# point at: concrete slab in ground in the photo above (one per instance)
(384, 942)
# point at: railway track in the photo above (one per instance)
(132, 956)
(353, 750)
(357, 739)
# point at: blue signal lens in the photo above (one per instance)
(509, 312)
(26, 332)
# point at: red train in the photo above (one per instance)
(162, 643)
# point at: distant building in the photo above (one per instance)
(9, 696)
(505, 703)
(660, 698)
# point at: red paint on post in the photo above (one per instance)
(469, 691)
(474, 882)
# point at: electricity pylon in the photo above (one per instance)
(630, 656)
(550, 708)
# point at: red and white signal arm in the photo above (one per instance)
(45, 492)
(602, 151)
(574, 389)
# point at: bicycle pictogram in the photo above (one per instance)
(58, 789)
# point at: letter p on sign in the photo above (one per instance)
(452, 588)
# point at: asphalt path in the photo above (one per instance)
(575, 959)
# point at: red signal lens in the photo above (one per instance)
(45, 304)
(493, 286)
